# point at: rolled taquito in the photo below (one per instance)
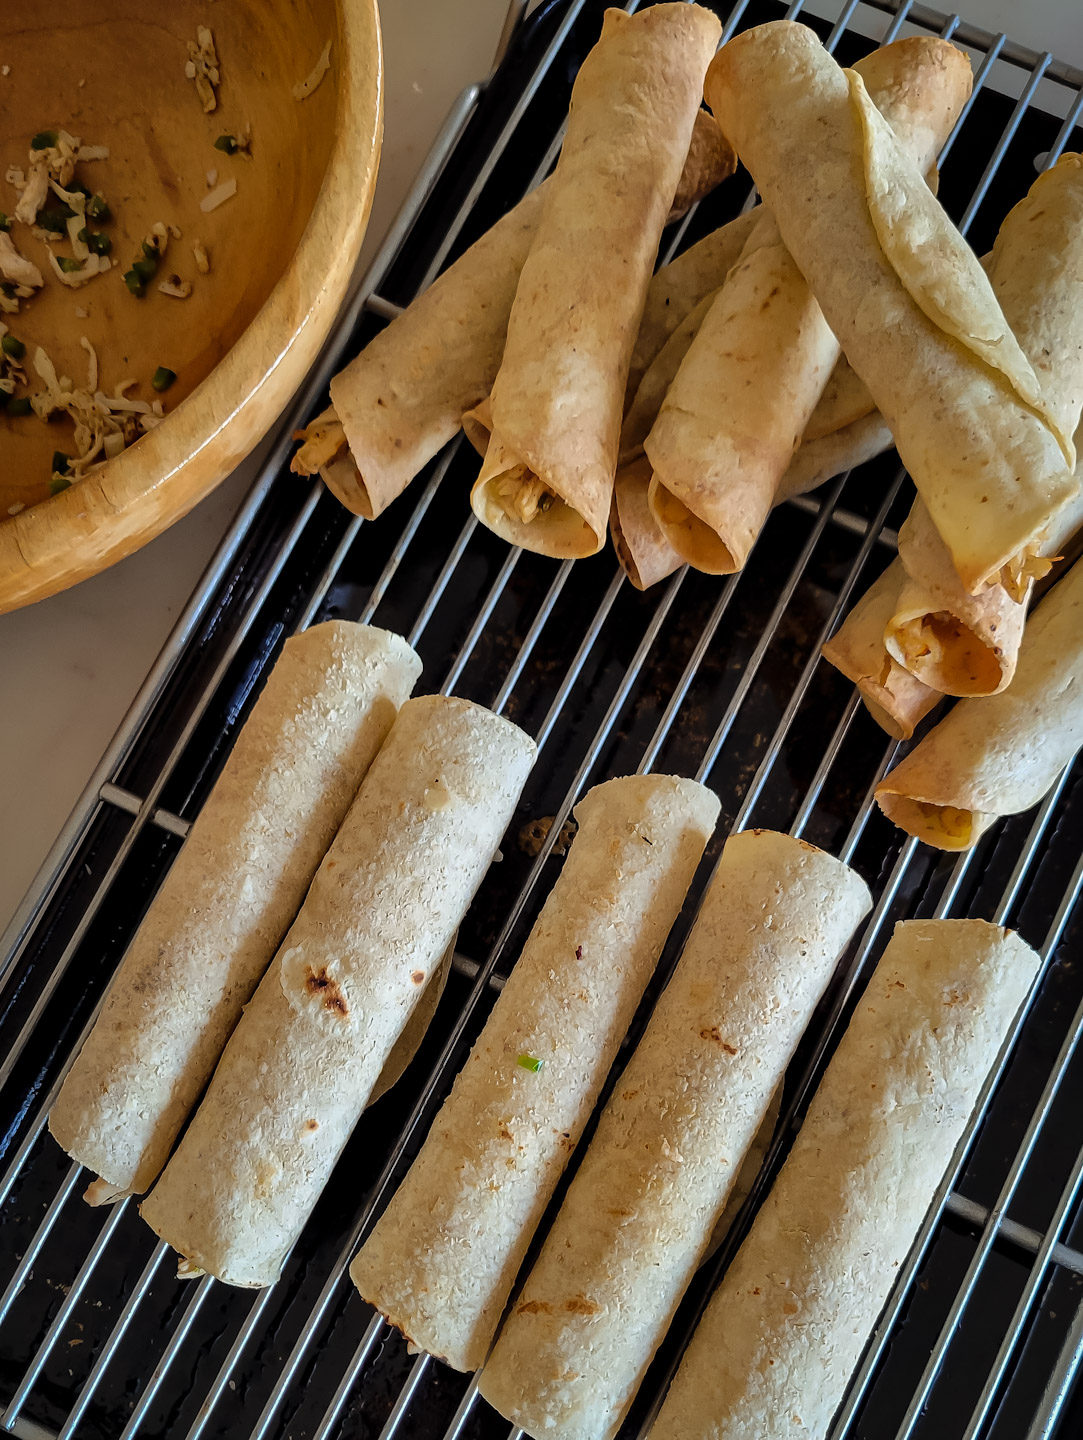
(777, 1345)
(443, 1257)
(755, 372)
(305, 1056)
(896, 700)
(398, 402)
(640, 1212)
(906, 297)
(547, 479)
(645, 555)
(967, 644)
(679, 286)
(998, 755)
(230, 896)
(819, 460)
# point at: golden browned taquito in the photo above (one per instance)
(645, 555)
(999, 754)
(752, 378)
(402, 399)
(907, 298)
(398, 398)
(654, 1182)
(776, 1347)
(709, 161)
(547, 479)
(967, 644)
(442, 1259)
(314, 1039)
(820, 460)
(896, 700)
(227, 901)
(678, 287)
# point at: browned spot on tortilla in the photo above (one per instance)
(312, 1124)
(318, 982)
(534, 1307)
(712, 1033)
(580, 1305)
(504, 1133)
(418, 977)
(629, 1094)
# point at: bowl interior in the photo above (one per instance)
(115, 75)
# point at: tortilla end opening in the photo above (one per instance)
(942, 652)
(346, 483)
(692, 538)
(945, 827)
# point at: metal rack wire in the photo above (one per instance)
(984, 1334)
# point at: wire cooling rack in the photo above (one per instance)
(719, 679)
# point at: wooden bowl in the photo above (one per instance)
(281, 250)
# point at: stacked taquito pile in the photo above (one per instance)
(403, 397)
(229, 898)
(305, 1056)
(776, 1347)
(918, 634)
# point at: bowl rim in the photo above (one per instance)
(146, 488)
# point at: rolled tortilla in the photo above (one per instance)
(645, 555)
(442, 1260)
(677, 288)
(230, 896)
(967, 644)
(654, 1181)
(398, 402)
(999, 755)
(753, 376)
(908, 300)
(776, 1347)
(304, 1058)
(894, 698)
(820, 460)
(709, 161)
(547, 479)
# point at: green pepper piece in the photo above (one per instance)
(13, 346)
(95, 241)
(59, 483)
(97, 208)
(69, 264)
(162, 378)
(55, 218)
(135, 283)
(5, 221)
(145, 269)
(529, 1062)
(44, 140)
(19, 405)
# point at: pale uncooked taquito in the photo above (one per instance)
(906, 297)
(397, 403)
(776, 1347)
(547, 479)
(755, 372)
(230, 896)
(999, 754)
(653, 1183)
(895, 699)
(442, 1260)
(967, 644)
(305, 1056)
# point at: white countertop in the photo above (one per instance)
(71, 665)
